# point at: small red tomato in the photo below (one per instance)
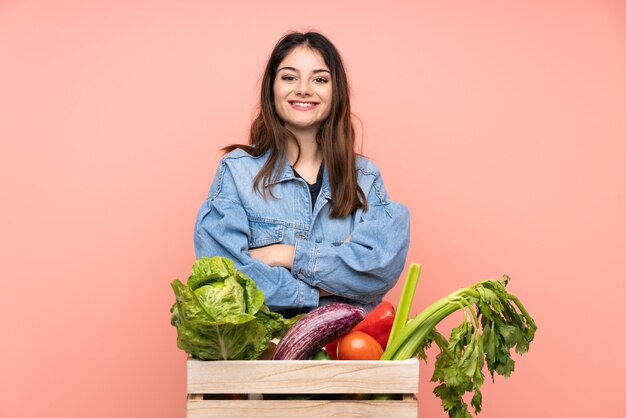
(357, 345)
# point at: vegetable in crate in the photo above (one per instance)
(317, 328)
(357, 345)
(376, 324)
(321, 355)
(494, 322)
(221, 315)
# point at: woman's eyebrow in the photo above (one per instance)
(319, 70)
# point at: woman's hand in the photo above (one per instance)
(276, 255)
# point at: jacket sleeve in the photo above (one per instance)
(222, 229)
(369, 264)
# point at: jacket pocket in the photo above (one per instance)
(265, 233)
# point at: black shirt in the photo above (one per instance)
(314, 188)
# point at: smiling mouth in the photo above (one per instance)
(303, 105)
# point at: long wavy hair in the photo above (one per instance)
(336, 137)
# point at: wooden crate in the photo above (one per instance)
(206, 380)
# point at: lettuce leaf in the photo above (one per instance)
(221, 315)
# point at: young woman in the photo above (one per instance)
(297, 209)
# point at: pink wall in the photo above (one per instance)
(502, 127)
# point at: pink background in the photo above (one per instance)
(502, 126)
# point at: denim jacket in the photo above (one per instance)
(235, 218)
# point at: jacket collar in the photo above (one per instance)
(286, 173)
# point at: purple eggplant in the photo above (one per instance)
(316, 329)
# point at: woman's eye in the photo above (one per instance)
(288, 78)
(321, 80)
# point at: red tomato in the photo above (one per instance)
(357, 345)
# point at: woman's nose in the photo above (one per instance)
(303, 88)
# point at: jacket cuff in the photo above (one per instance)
(304, 258)
(308, 296)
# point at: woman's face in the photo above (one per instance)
(303, 90)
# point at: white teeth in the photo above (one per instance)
(302, 104)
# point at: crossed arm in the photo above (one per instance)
(279, 255)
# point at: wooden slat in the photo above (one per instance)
(302, 409)
(310, 376)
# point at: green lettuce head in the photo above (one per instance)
(221, 315)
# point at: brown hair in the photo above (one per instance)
(336, 136)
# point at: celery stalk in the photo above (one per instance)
(423, 328)
(406, 299)
(419, 327)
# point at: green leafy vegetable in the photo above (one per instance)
(221, 315)
(494, 323)
(404, 306)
